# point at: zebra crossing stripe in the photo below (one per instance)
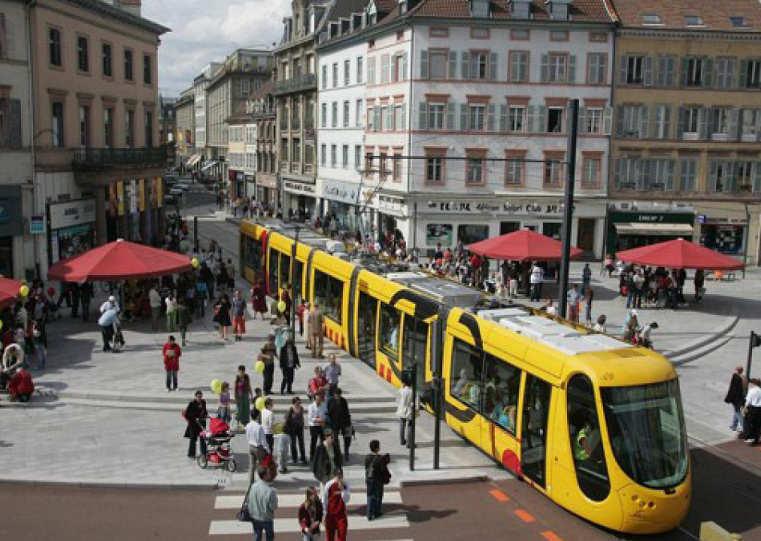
(291, 525)
(295, 500)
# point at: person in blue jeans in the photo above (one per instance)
(376, 476)
(262, 500)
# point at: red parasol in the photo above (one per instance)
(119, 260)
(8, 291)
(523, 245)
(679, 254)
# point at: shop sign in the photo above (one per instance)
(37, 225)
(298, 187)
(71, 213)
(510, 207)
(701, 218)
(340, 191)
(723, 220)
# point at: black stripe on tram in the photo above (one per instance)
(353, 305)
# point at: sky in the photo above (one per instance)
(208, 30)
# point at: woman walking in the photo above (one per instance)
(294, 427)
(259, 299)
(195, 414)
(222, 316)
(223, 410)
(243, 397)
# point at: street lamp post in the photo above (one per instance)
(573, 129)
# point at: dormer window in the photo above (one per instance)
(521, 9)
(693, 20)
(737, 22)
(650, 19)
(479, 8)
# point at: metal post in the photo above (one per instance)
(573, 129)
(751, 344)
(292, 292)
(438, 404)
(195, 234)
(411, 439)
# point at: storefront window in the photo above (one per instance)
(551, 229)
(389, 330)
(465, 379)
(469, 234)
(727, 239)
(273, 271)
(435, 233)
(328, 293)
(285, 270)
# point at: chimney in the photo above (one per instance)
(130, 6)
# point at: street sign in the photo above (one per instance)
(37, 225)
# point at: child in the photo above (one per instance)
(223, 411)
(310, 515)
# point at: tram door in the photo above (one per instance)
(415, 346)
(367, 310)
(536, 407)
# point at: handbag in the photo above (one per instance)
(244, 515)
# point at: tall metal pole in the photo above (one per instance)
(195, 235)
(570, 179)
(411, 439)
(292, 292)
(751, 344)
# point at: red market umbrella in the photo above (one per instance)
(119, 260)
(8, 291)
(679, 254)
(523, 245)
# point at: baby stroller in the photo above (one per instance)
(218, 453)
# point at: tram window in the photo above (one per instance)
(501, 386)
(285, 270)
(389, 330)
(586, 444)
(466, 374)
(252, 256)
(298, 272)
(273, 262)
(328, 293)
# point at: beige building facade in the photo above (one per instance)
(185, 125)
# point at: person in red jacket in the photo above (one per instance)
(172, 353)
(334, 499)
(20, 387)
(310, 515)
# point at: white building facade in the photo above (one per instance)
(467, 122)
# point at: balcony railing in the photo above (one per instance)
(105, 158)
(307, 81)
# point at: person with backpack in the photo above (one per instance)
(376, 476)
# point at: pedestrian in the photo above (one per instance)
(573, 303)
(258, 448)
(316, 414)
(536, 278)
(646, 333)
(289, 362)
(267, 356)
(310, 515)
(281, 445)
(589, 296)
(332, 373)
(404, 411)
(300, 309)
(106, 324)
(327, 458)
(201, 297)
(108, 304)
(340, 419)
(638, 283)
(335, 497)
(699, 281)
(243, 397)
(285, 297)
(171, 312)
(38, 341)
(259, 299)
(85, 296)
(195, 414)
(753, 411)
(294, 426)
(255, 413)
(184, 317)
(318, 383)
(736, 397)
(376, 476)
(601, 326)
(154, 301)
(262, 501)
(222, 316)
(223, 410)
(239, 315)
(513, 282)
(307, 326)
(315, 327)
(631, 327)
(171, 353)
(268, 421)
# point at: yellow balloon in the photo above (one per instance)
(23, 290)
(195, 263)
(281, 306)
(259, 367)
(1, 324)
(259, 404)
(216, 386)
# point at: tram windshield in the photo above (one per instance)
(647, 433)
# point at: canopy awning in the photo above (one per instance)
(679, 254)
(665, 230)
(9, 290)
(208, 166)
(523, 245)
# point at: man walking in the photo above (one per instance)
(85, 296)
(736, 397)
(335, 497)
(258, 447)
(327, 458)
(340, 419)
(316, 414)
(106, 323)
(154, 299)
(289, 362)
(404, 411)
(171, 353)
(262, 501)
(332, 374)
(315, 328)
(573, 298)
(376, 475)
(753, 406)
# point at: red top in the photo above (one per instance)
(316, 384)
(20, 383)
(306, 519)
(171, 360)
(336, 507)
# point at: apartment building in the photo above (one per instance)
(96, 134)
(241, 152)
(185, 126)
(341, 125)
(264, 114)
(687, 138)
(17, 256)
(200, 84)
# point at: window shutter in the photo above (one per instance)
(734, 123)
(660, 74)
(645, 174)
(669, 175)
(377, 119)
(622, 68)
(647, 71)
(572, 68)
(713, 171)
(620, 120)
(531, 119)
(643, 121)
(465, 65)
(607, 120)
(670, 71)
(422, 123)
(582, 120)
(424, 64)
(685, 70)
(652, 128)
(388, 122)
(619, 166)
(450, 112)
(707, 81)
(474, 66)
(757, 177)
(384, 68)
(493, 63)
(743, 80)
(14, 124)
(404, 118)
(403, 74)
(704, 117)
(464, 116)
(758, 124)
(667, 122)
(545, 68)
(490, 112)
(732, 73)
(503, 117)
(370, 118)
(452, 64)
(541, 115)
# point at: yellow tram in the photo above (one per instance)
(593, 423)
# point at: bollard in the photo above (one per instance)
(710, 531)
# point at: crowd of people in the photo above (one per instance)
(744, 395)
(657, 288)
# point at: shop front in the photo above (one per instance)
(633, 228)
(11, 225)
(250, 190)
(471, 220)
(71, 228)
(343, 201)
(266, 189)
(728, 227)
(300, 198)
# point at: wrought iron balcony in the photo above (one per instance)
(307, 81)
(94, 159)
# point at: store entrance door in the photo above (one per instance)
(508, 227)
(586, 236)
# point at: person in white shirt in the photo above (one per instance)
(110, 303)
(317, 412)
(171, 313)
(267, 422)
(536, 278)
(258, 447)
(644, 335)
(154, 299)
(753, 415)
(404, 411)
